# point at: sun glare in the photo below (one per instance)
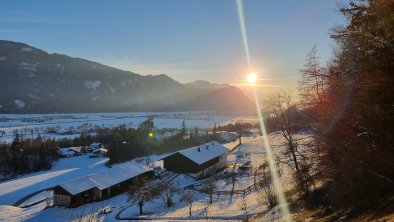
(252, 78)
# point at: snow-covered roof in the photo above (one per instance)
(66, 151)
(95, 144)
(103, 150)
(102, 180)
(76, 148)
(204, 152)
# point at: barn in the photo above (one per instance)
(98, 186)
(199, 161)
(66, 152)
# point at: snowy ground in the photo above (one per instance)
(41, 196)
(70, 125)
(62, 171)
(223, 208)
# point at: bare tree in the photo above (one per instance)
(233, 180)
(267, 196)
(288, 122)
(140, 193)
(304, 179)
(311, 86)
(189, 198)
(257, 171)
(206, 211)
(208, 188)
(243, 205)
(168, 191)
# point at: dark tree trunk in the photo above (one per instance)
(294, 156)
(169, 202)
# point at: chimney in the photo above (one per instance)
(198, 149)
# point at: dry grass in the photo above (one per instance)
(318, 210)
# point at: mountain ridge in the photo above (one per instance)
(34, 81)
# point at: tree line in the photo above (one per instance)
(348, 104)
(25, 155)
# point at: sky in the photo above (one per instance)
(186, 39)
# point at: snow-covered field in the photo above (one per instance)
(62, 170)
(223, 208)
(70, 125)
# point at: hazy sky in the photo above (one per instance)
(187, 40)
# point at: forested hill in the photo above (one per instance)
(34, 81)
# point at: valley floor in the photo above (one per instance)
(223, 208)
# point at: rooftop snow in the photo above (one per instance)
(66, 151)
(104, 179)
(207, 152)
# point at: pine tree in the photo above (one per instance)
(183, 130)
(356, 135)
(214, 131)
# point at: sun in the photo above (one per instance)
(252, 78)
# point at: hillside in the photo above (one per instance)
(34, 81)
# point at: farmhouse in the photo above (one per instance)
(67, 152)
(98, 186)
(199, 161)
(95, 145)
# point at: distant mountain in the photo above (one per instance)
(33, 81)
(202, 84)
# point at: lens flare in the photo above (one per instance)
(252, 78)
(243, 31)
(284, 209)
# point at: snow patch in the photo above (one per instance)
(26, 49)
(112, 90)
(31, 67)
(3, 58)
(343, 218)
(92, 84)
(61, 67)
(19, 103)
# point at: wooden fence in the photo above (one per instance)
(256, 186)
